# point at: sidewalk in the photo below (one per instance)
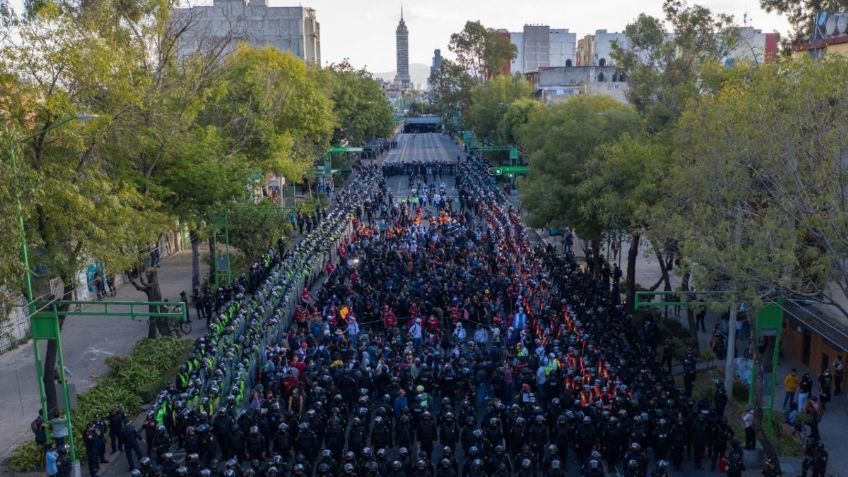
(87, 341)
(833, 424)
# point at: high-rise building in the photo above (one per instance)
(517, 64)
(562, 47)
(602, 42)
(540, 46)
(437, 62)
(227, 22)
(402, 78)
(537, 47)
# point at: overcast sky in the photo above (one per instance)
(363, 30)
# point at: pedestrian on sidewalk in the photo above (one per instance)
(838, 370)
(130, 436)
(50, 460)
(37, 427)
(805, 387)
(700, 316)
(116, 425)
(825, 386)
(750, 434)
(790, 384)
(92, 447)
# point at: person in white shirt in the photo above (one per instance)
(415, 333)
(459, 333)
(352, 331)
(750, 434)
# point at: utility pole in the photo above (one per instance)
(731, 331)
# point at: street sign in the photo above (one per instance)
(513, 169)
(508, 170)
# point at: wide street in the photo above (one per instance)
(89, 341)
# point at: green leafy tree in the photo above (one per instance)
(361, 109)
(662, 65)
(156, 141)
(77, 209)
(625, 184)
(482, 52)
(269, 108)
(255, 227)
(451, 93)
(560, 141)
(663, 62)
(516, 115)
(760, 190)
(491, 101)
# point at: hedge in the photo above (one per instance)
(132, 379)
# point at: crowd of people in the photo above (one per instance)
(440, 343)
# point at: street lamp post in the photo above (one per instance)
(28, 280)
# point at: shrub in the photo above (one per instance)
(740, 391)
(27, 458)
(133, 379)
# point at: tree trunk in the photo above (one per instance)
(690, 313)
(153, 292)
(663, 271)
(51, 356)
(632, 255)
(195, 258)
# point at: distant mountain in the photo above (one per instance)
(418, 72)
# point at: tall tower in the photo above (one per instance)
(402, 44)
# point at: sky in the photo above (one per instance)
(364, 30)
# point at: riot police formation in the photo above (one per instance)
(370, 380)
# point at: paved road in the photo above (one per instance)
(87, 342)
(424, 147)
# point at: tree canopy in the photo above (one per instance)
(560, 141)
(491, 101)
(362, 111)
(662, 65)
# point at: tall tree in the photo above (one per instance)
(77, 211)
(482, 52)
(516, 115)
(560, 141)
(269, 107)
(490, 102)
(451, 93)
(156, 142)
(361, 109)
(625, 184)
(762, 161)
(662, 65)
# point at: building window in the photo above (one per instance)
(601, 77)
(568, 63)
(602, 62)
